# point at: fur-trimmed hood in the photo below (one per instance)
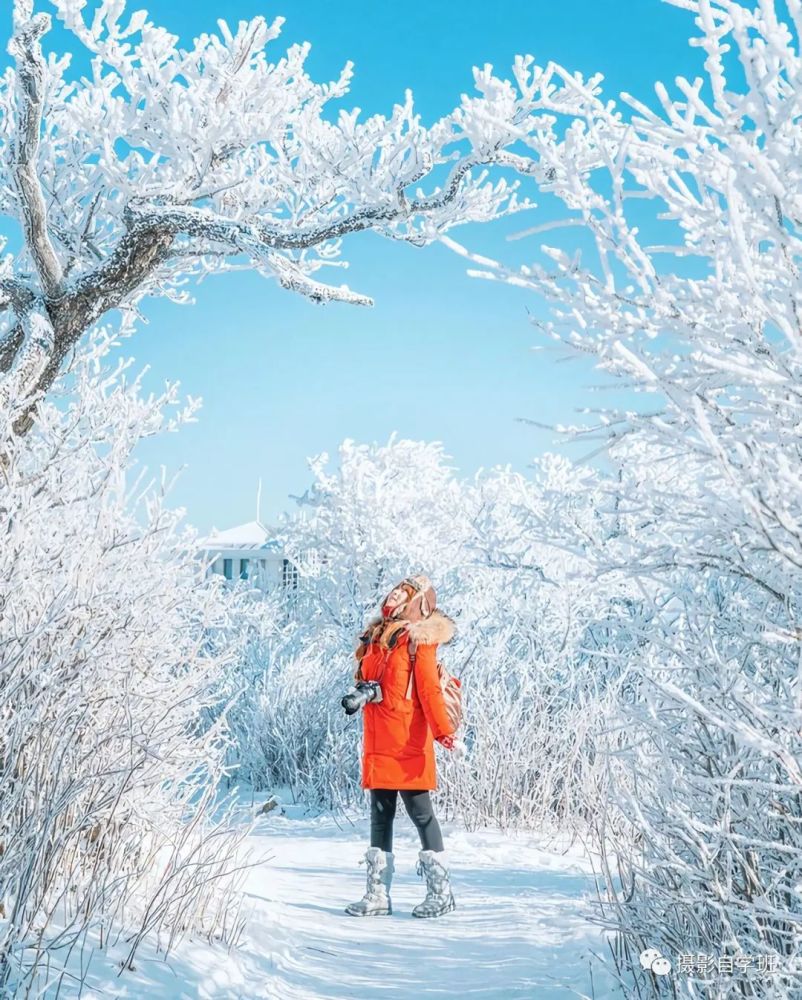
(437, 628)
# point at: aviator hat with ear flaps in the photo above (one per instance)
(421, 601)
(420, 605)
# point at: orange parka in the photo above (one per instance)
(398, 732)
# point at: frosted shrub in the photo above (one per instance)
(109, 825)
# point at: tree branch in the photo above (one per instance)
(247, 236)
(294, 279)
(25, 47)
(139, 252)
(16, 295)
(35, 334)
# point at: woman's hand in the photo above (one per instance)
(455, 745)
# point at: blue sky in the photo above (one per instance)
(440, 356)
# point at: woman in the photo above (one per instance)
(399, 649)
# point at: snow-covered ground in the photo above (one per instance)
(518, 930)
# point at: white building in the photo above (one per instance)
(249, 552)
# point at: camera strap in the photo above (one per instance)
(411, 651)
(385, 657)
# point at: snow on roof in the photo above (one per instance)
(252, 535)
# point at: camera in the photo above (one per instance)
(360, 695)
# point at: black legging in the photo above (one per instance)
(419, 808)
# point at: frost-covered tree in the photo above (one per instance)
(110, 829)
(528, 608)
(673, 256)
(165, 163)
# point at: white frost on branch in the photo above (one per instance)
(165, 163)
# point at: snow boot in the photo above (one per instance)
(439, 897)
(376, 901)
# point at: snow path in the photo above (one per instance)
(518, 930)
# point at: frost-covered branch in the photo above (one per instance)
(171, 163)
(26, 48)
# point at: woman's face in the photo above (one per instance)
(394, 600)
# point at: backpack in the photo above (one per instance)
(451, 687)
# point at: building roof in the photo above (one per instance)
(252, 535)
